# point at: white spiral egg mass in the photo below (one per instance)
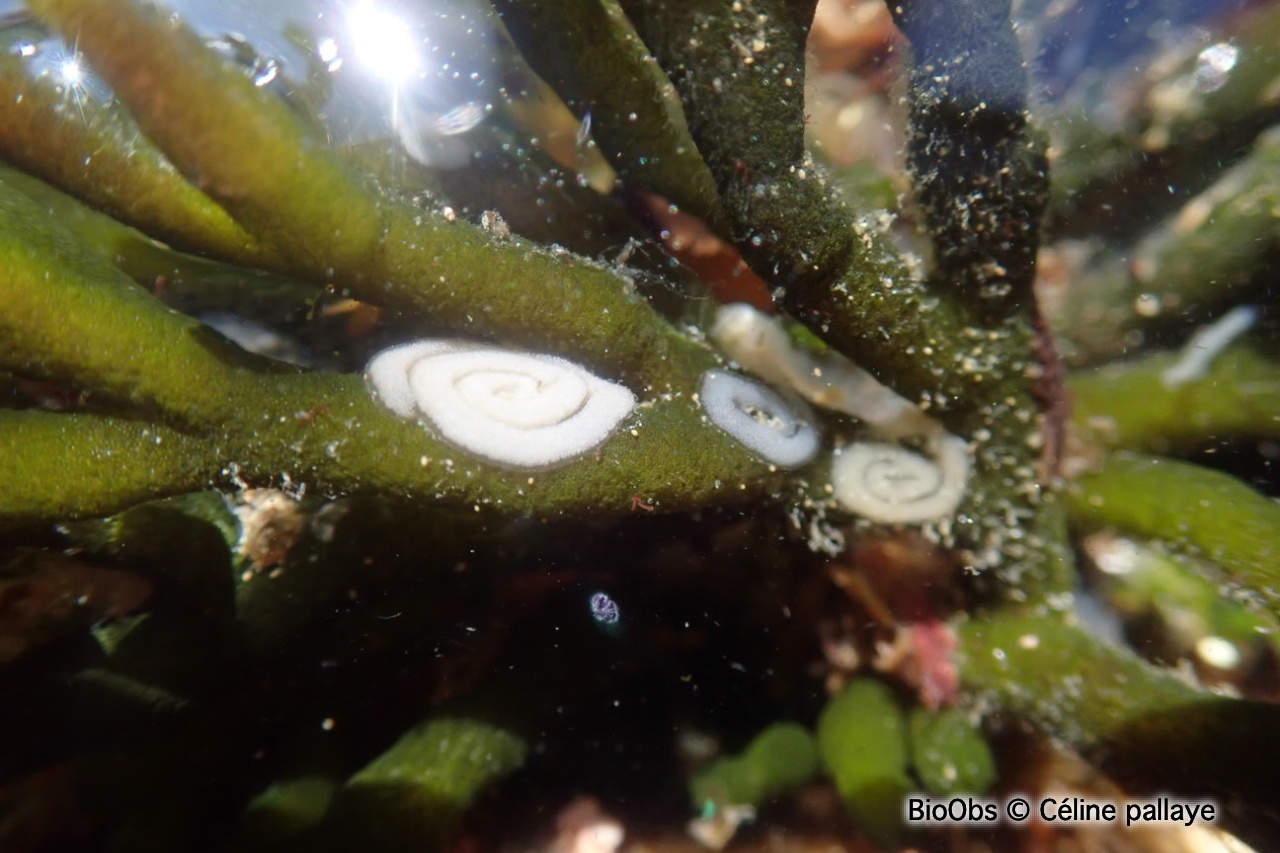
(889, 484)
(759, 418)
(519, 409)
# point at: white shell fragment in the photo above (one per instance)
(520, 409)
(758, 418)
(890, 484)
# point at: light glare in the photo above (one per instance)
(71, 73)
(382, 43)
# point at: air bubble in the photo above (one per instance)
(264, 71)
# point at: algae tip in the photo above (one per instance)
(1207, 344)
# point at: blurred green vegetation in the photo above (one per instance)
(244, 606)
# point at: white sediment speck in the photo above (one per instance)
(717, 830)
(1218, 652)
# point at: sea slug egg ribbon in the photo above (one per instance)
(518, 409)
(761, 345)
(889, 484)
(758, 418)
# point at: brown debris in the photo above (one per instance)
(852, 35)
(718, 264)
(45, 595)
(271, 524)
(901, 590)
